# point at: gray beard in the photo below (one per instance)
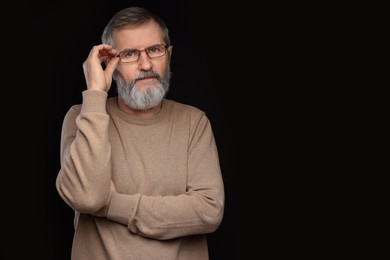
(146, 98)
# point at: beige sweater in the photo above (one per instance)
(165, 171)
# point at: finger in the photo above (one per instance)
(111, 65)
(103, 52)
(106, 56)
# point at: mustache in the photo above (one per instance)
(148, 74)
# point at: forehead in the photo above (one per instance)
(138, 37)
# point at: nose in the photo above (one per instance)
(144, 61)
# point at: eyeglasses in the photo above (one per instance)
(132, 55)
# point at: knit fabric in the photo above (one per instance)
(163, 172)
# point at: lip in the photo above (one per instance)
(147, 78)
(149, 81)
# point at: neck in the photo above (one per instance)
(139, 113)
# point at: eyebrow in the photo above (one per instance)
(132, 49)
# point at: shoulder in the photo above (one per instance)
(75, 108)
(186, 114)
(182, 108)
(73, 112)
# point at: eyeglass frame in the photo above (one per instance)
(144, 50)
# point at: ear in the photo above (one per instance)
(170, 48)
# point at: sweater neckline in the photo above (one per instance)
(113, 108)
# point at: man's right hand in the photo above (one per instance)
(98, 78)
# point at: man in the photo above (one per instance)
(140, 171)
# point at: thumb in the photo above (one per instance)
(111, 65)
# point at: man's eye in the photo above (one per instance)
(154, 50)
(129, 53)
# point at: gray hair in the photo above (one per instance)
(132, 17)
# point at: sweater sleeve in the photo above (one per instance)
(84, 178)
(198, 211)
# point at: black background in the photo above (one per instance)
(251, 67)
(47, 44)
(276, 80)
